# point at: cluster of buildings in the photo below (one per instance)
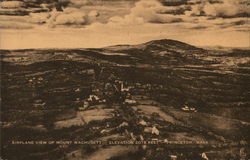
(188, 109)
(109, 92)
(113, 90)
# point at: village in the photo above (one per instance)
(133, 115)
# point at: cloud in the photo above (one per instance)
(175, 10)
(190, 14)
(39, 18)
(14, 12)
(232, 23)
(220, 8)
(12, 4)
(22, 8)
(173, 2)
(68, 17)
(13, 8)
(109, 22)
(80, 3)
(147, 11)
(74, 17)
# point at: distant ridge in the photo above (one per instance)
(153, 44)
(170, 42)
(161, 44)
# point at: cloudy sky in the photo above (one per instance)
(98, 23)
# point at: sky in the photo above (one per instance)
(99, 23)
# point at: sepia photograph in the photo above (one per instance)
(125, 79)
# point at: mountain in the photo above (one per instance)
(167, 50)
